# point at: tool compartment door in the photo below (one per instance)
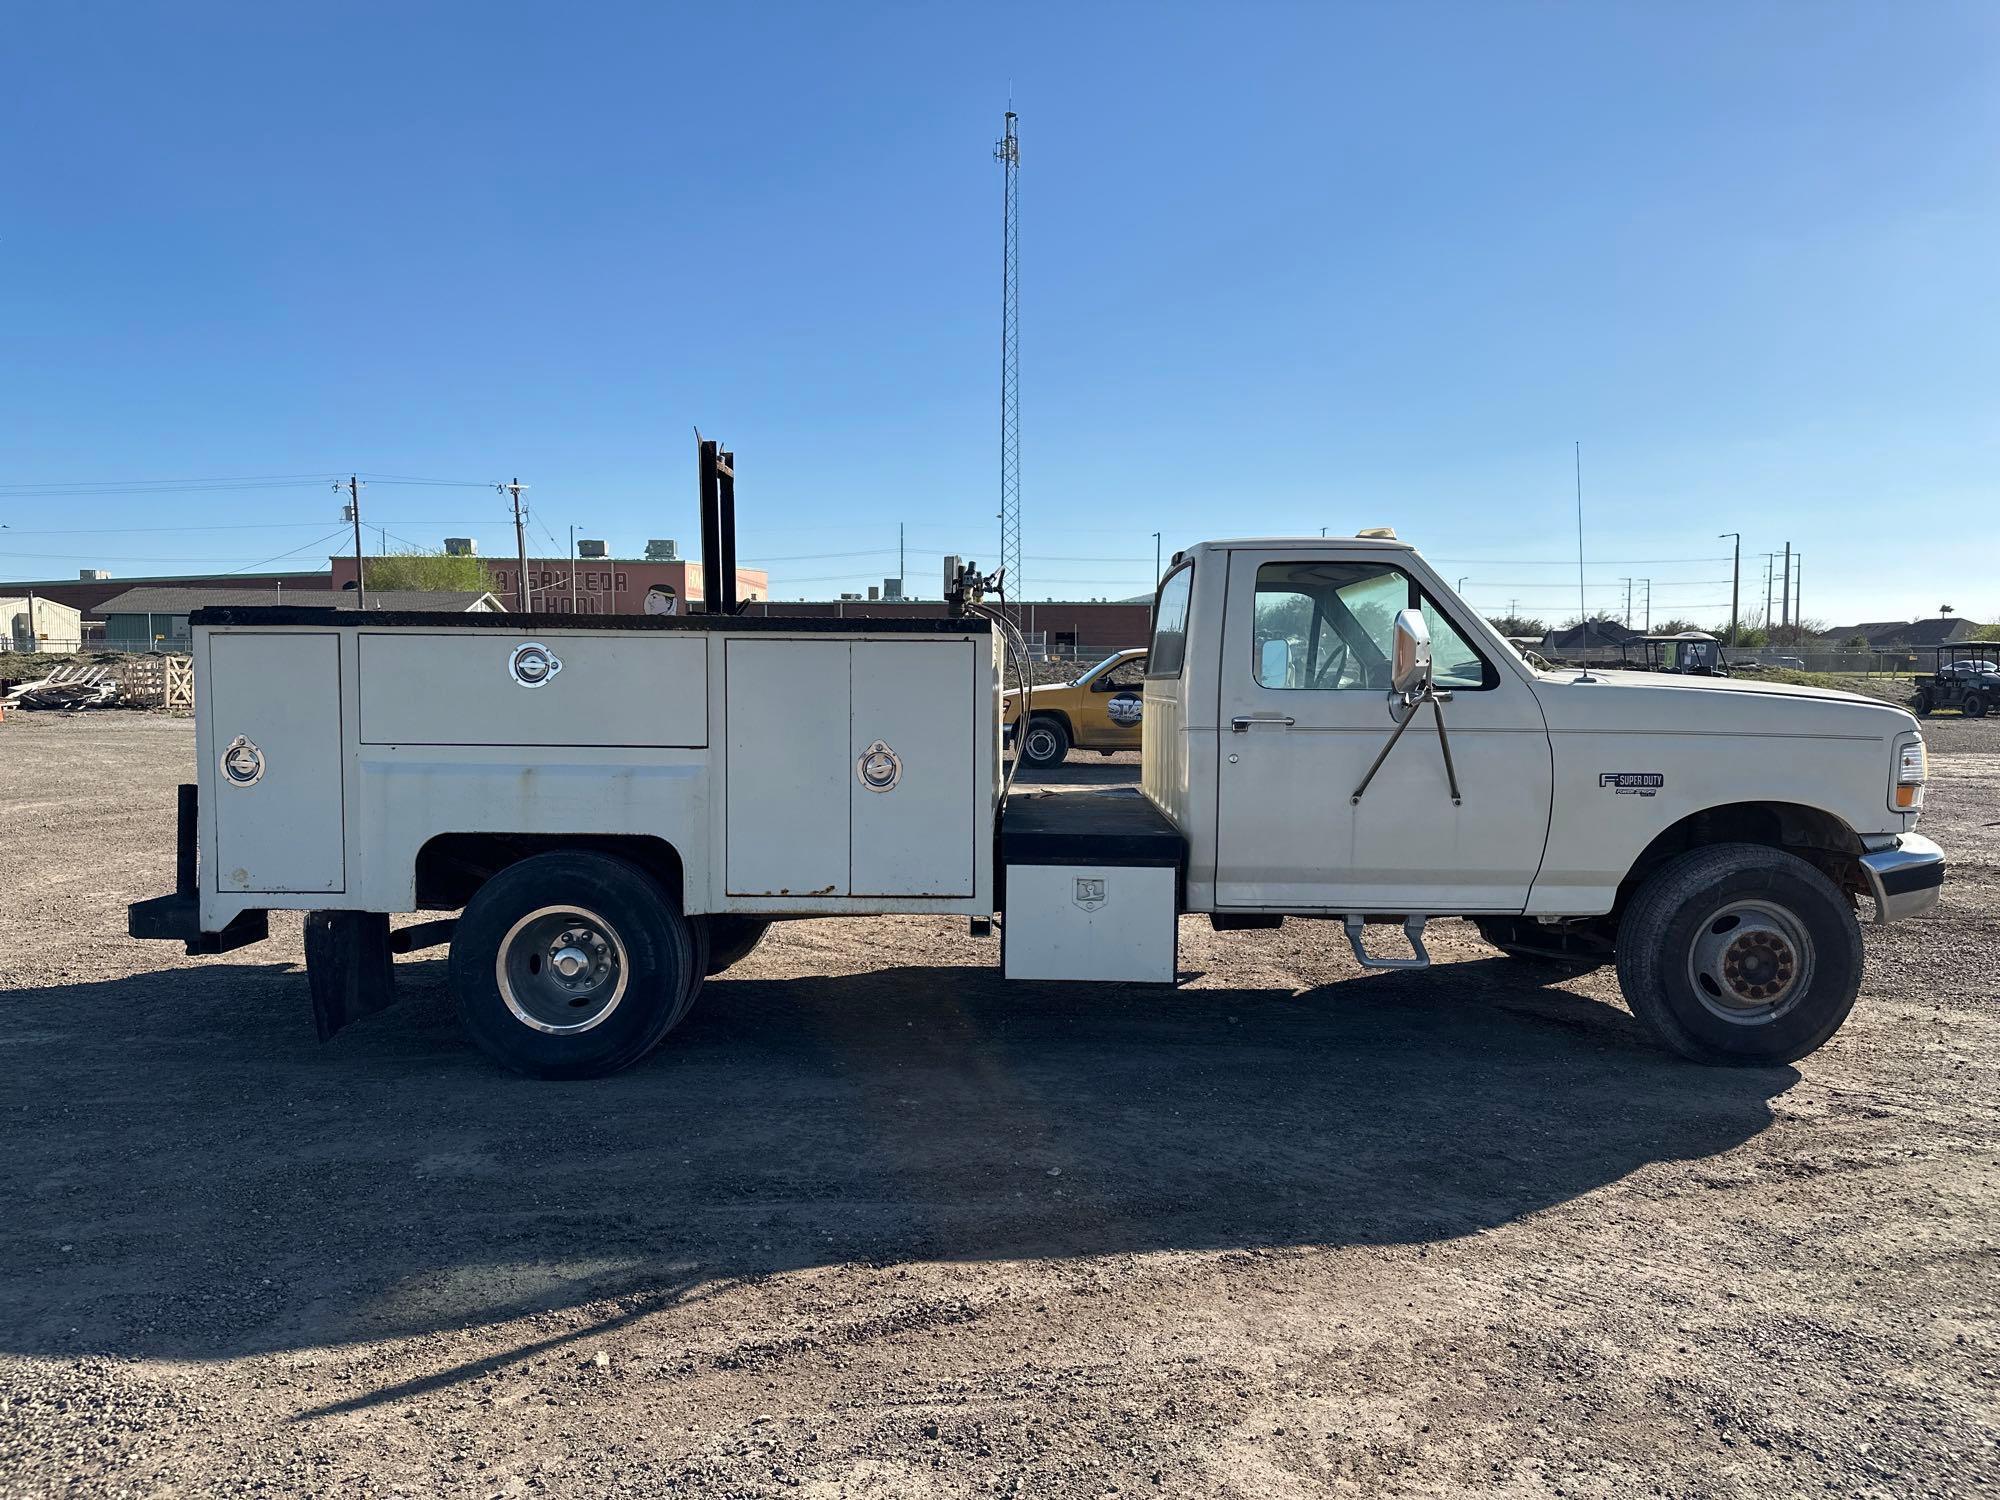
(281, 831)
(456, 688)
(916, 836)
(786, 702)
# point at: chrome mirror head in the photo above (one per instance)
(1274, 663)
(1410, 670)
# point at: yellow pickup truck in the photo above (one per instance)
(1101, 710)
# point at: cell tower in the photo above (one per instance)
(1008, 154)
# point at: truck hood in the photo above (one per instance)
(1664, 701)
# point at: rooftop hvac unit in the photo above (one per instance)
(874, 593)
(663, 550)
(461, 546)
(92, 575)
(593, 549)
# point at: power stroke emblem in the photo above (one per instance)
(1632, 783)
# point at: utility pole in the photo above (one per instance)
(902, 578)
(1788, 586)
(1649, 604)
(1798, 588)
(572, 569)
(1628, 601)
(1008, 154)
(514, 488)
(1156, 559)
(354, 515)
(1770, 573)
(1735, 580)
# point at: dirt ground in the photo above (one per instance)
(873, 1224)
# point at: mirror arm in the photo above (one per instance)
(1413, 701)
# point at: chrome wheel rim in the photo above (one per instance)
(561, 970)
(1751, 962)
(1040, 745)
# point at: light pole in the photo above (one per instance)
(1735, 579)
(1156, 559)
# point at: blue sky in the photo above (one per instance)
(1283, 267)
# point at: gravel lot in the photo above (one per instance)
(874, 1225)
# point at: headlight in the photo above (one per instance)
(1912, 769)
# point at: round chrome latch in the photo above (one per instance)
(879, 768)
(533, 664)
(242, 762)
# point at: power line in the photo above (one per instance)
(329, 537)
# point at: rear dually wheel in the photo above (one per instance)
(572, 965)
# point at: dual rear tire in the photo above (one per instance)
(574, 965)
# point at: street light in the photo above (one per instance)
(1735, 579)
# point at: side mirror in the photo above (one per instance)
(1274, 663)
(1410, 671)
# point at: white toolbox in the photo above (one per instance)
(1092, 883)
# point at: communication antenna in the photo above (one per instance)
(1008, 154)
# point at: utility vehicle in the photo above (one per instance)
(609, 808)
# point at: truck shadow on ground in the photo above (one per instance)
(191, 1175)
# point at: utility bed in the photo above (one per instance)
(349, 760)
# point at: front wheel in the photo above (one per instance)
(572, 965)
(1044, 743)
(1738, 953)
(1974, 706)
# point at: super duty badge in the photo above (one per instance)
(1632, 783)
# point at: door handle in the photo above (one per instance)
(1242, 722)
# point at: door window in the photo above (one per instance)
(1170, 624)
(1127, 674)
(1330, 626)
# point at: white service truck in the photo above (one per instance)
(616, 807)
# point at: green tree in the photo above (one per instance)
(1986, 633)
(428, 571)
(1517, 625)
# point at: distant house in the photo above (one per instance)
(1593, 635)
(146, 619)
(1891, 635)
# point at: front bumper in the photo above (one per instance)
(1906, 878)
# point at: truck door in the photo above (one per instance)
(1305, 707)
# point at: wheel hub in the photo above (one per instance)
(1751, 962)
(561, 970)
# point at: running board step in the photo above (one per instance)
(1413, 929)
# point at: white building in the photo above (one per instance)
(30, 623)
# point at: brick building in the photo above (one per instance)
(603, 585)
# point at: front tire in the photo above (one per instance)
(1739, 953)
(1044, 743)
(1973, 706)
(572, 965)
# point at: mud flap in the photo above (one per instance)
(348, 967)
